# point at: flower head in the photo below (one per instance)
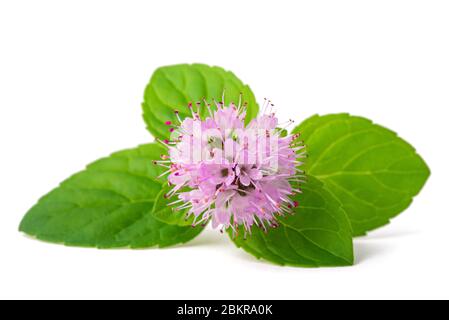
(234, 174)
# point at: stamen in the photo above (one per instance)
(265, 105)
(190, 106)
(163, 174)
(240, 101)
(289, 123)
(271, 105)
(156, 163)
(177, 116)
(208, 108)
(164, 143)
(223, 97)
(175, 202)
(184, 206)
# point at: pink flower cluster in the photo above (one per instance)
(229, 173)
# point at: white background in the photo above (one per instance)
(72, 75)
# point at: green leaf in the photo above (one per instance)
(108, 205)
(173, 87)
(166, 213)
(374, 173)
(318, 234)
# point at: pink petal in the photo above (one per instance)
(223, 197)
(255, 174)
(223, 216)
(245, 180)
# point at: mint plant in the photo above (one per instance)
(296, 212)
